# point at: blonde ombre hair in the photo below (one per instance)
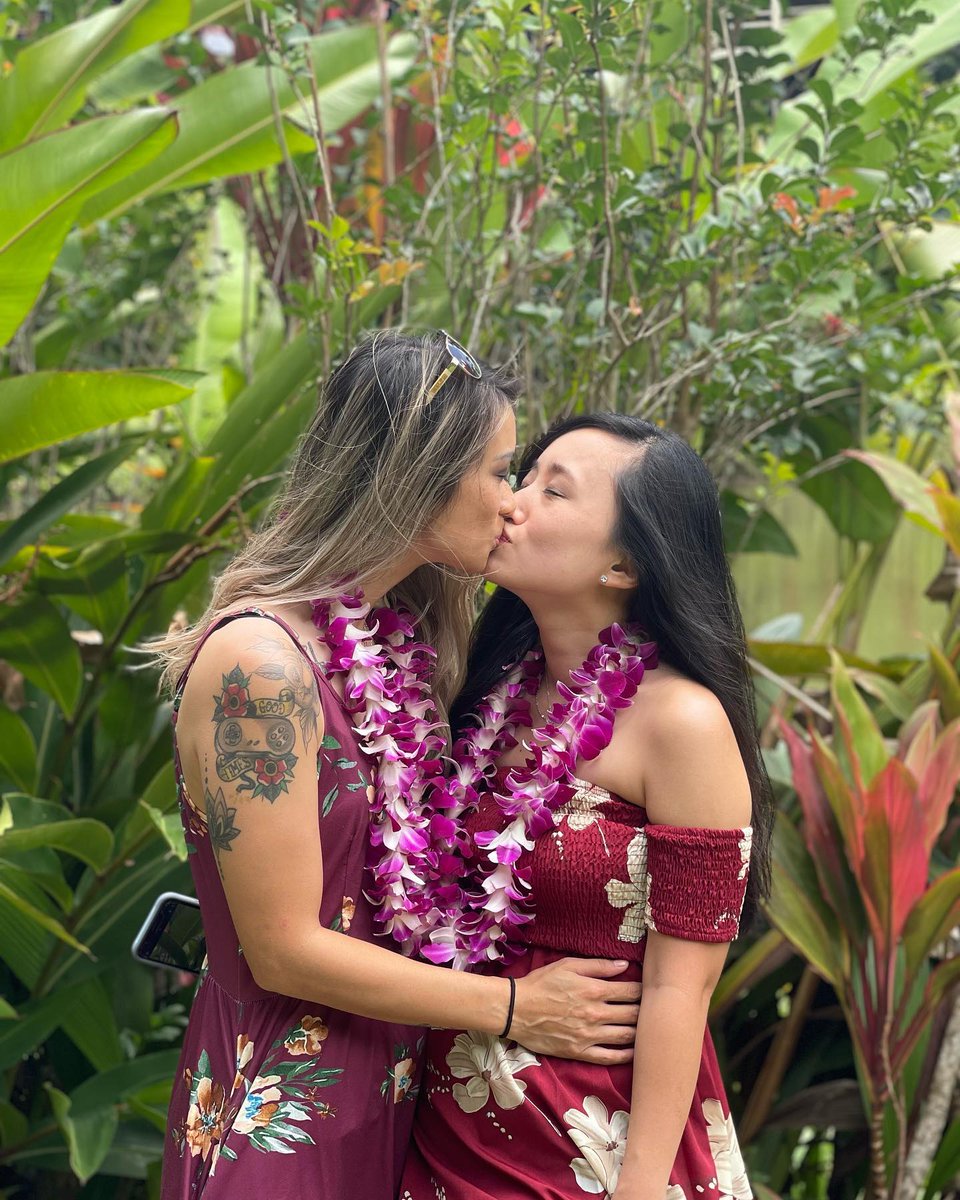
(378, 463)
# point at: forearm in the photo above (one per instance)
(373, 981)
(668, 1049)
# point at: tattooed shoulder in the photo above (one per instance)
(256, 733)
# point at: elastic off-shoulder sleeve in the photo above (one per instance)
(697, 881)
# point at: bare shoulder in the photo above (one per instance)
(678, 715)
(692, 768)
(252, 667)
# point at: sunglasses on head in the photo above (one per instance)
(459, 357)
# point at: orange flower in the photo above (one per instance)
(831, 197)
(308, 1038)
(783, 202)
(205, 1118)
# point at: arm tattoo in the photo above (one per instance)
(221, 826)
(254, 739)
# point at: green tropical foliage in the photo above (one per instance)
(744, 228)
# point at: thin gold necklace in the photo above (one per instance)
(536, 702)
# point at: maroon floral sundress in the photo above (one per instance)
(277, 1097)
(496, 1122)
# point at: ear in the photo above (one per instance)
(622, 574)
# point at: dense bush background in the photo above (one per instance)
(736, 218)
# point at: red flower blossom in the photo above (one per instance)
(269, 770)
(234, 700)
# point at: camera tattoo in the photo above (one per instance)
(255, 737)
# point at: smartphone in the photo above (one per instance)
(172, 935)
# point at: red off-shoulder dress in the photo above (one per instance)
(499, 1123)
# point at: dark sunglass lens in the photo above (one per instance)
(463, 358)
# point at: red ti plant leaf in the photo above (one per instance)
(938, 782)
(822, 834)
(896, 860)
(846, 802)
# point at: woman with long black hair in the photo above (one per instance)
(612, 801)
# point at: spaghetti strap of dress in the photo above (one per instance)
(249, 611)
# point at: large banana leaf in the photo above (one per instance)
(45, 184)
(50, 78)
(229, 123)
(52, 406)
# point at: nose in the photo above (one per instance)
(507, 500)
(517, 513)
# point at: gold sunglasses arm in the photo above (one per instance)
(441, 380)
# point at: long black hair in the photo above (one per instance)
(668, 525)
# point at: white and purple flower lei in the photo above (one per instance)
(418, 837)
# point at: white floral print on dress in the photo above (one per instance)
(580, 811)
(488, 1066)
(731, 1172)
(745, 843)
(602, 1140)
(633, 894)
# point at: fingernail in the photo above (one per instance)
(621, 963)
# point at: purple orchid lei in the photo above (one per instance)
(418, 835)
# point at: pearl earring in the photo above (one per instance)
(603, 579)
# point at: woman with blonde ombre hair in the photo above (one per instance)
(308, 737)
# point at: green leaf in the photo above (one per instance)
(877, 71)
(51, 406)
(752, 533)
(910, 490)
(37, 1020)
(7, 1011)
(809, 37)
(861, 750)
(110, 1087)
(91, 1025)
(39, 917)
(91, 582)
(931, 919)
(62, 498)
(88, 1137)
(50, 77)
(796, 906)
(856, 502)
(170, 827)
(763, 956)
(947, 682)
(807, 658)
(18, 751)
(229, 126)
(14, 1126)
(45, 185)
(90, 841)
(270, 389)
(176, 503)
(35, 639)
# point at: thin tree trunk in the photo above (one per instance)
(936, 1110)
